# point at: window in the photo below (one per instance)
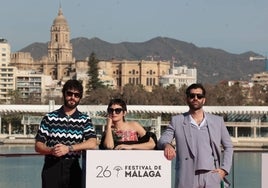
(137, 81)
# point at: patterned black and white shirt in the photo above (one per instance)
(57, 127)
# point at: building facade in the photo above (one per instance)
(146, 73)
(22, 60)
(260, 78)
(36, 87)
(7, 72)
(179, 76)
(118, 73)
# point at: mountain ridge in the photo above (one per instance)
(213, 65)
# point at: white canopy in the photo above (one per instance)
(95, 109)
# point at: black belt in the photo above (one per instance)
(53, 158)
(197, 172)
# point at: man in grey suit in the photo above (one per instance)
(203, 149)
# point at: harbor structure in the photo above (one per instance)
(247, 125)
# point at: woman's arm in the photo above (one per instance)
(150, 145)
(108, 142)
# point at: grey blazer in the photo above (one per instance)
(179, 129)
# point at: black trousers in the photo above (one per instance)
(61, 173)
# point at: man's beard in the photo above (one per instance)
(71, 104)
(195, 106)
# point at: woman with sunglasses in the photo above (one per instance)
(121, 134)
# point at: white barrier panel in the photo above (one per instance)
(264, 170)
(127, 168)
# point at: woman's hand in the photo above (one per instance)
(109, 122)
(123, 146)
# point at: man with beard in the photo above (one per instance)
(61, 137)
(200, 138)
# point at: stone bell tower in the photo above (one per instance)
(60, 59)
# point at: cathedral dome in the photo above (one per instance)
(60, 19)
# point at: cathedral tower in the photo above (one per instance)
(60, 59)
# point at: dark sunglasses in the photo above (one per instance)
(193, 95)
(70, 94)
(116, 110)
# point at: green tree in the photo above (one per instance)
(169, 95)
(99, 96)
(157, 96)
(13, 119)
(182, 95)
(134, 94)
(224, 95)
(218, 95)
(93, 73)
(236, 95)
(258, 95)
(15, 97)
(172, 96)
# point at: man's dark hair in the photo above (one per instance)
(73, 84)
(195, 86)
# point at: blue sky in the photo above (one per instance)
(235, 26)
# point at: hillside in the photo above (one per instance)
(213, 65)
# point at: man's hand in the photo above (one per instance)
(221, 172)
(169, 152)
(60, 150)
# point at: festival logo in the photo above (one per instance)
(118, 169)
(129, 171)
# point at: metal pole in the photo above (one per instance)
(266, 64)
(0, 124)
(233, 167)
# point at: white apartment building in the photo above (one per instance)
(260, 78)
(36, 87)
(7, 72)
(179, 76)
(29, 84)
